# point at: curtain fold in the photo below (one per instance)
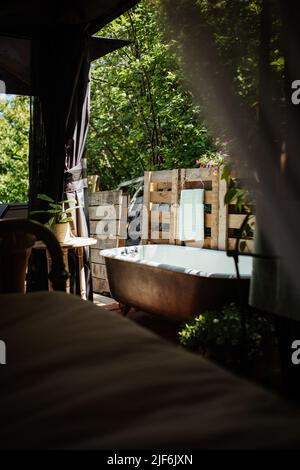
(75, 182)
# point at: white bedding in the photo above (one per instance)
(80, 377)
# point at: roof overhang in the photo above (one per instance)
(21, 22)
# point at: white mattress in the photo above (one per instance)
(80, 377)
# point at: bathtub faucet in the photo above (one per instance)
(130, 252)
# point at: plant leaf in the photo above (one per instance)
(64, 221)
(54, 211)
(230, 195)
(67, 211)
(243, 245)
(44, 197)
(68, 201)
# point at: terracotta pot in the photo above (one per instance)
(62, 232)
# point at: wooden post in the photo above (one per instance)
(215, 211)
(146, 207)
(93, 183)
(173, 227)
(107, 210)
(223, 215)
(122, 224)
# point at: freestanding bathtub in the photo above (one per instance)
(174, 281)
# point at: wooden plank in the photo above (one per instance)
(173, 230)
(159, 241)
(96, 257)
(100, 285)
(208, 197)
(223, 215)
(195, 244)
(208, 220)
(161, 197)
(106, 228)
(161, 186)
(235, 220)
(155, 220)
(107, 211)
(154, 232)
(103, 244)
(165, 217)
(152, 186)
(215, 211)
(93, 183)
(162, 176)
(146, 207)
(104, 197)
(160, 207)
(124, 208)
(99, 270)
(196, 174)
(122, 224)
(181, 186)
(161, 227)
(207, 243)
(203, 184)
(122, 230)
(166, 235)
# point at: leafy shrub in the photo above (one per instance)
(219, 336)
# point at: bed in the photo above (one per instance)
(78, 376)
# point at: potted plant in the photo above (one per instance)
(60, 218)
(219, 337)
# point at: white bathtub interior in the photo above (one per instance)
(208, 263)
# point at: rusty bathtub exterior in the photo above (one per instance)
(169, 292)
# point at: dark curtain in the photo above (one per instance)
(59, 122)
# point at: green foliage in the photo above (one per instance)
(218, 335)
(57, 212)
(142, 116)
(236, 30)
(235, 193)
(239, 196)
(14, 143)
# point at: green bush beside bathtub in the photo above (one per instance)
(218, 335)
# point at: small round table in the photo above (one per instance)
(77, 243)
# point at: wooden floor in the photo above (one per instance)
(101, 300)
(161, 326)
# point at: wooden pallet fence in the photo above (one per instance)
(207, 179)
(161, 208)
(108, 224)
(161, 204)
(235, 221)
